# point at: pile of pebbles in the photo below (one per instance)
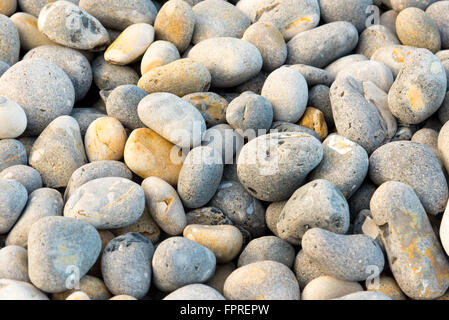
(289, 149)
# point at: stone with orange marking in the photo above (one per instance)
(30, 36)
(211, 105)
(416, 258)
(375, 37)
(393, 56)
(314, 119)
(159, 53)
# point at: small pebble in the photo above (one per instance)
(195, 292)
(13, 120)
(267, 248)
(328, 288)
(29, 34)
(13, 198)
(25, 175)
(10, 41)
(159, 53)
(18, 290)
(14, 263)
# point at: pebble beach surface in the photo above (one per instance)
(224, 150)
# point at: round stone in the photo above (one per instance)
(159, 53)
(14, 263)
(29, 34)
(13, 120)
(267, 248)
(195, 292)
(25, 175)
(354, 11)
(12, 152)
(18, 290)
(211, 105)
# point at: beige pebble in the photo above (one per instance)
(123, 297)
(8, 7)
(131, 44)
(78, 295)
(92, 286)
(388, 286)
(30, 36)
(146, 226)
(327, 288)
(105, 139)
(224, 241)
(148, 154)
(179, 77)
(159, 53)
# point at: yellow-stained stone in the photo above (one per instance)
(388, 286)
(179, 77)
(8, 7)
(146, 226)
(211, 105)
(30, 36)
(92, 286)
(314, 119)
(225, 241)
(131, 44)
(78, 295)
(105, 139)
(159, 53)
(148, 154)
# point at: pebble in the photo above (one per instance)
(8, 7)
(108, 76)
(393, 56)
(399, 5)
(105, 139)
(225, 241)
(291, 17)
(388, 19)
(19, 290)
(131, 44)
(287, 91)
(85, 116)
(3, 67)
(414, 164)
(314, 75)
(437, 13)
(243, 62)
(29, 34)
(122, 297)
(319, 99)
(416, 258)
(361, 198)
(10, 41)
(353, 11)
(175, 23)
(365, 295)
(173, 118)
(250, 111)
(146, 226)
(43, 202)
(314, 120)
(388, 286)
(270, 43)
(34, 6)
(272, 215)
(179, 77)
(240, 207)
(263, 280)
(317, 204)
(78, 295)
(211, 106)
(148, 154)
(13, 198)
(340, 37)
(195, 292)
(12, 152)
(328, 288)
(179, 261)
(126, 265)
(267, 248)
(340, 64)
(158, 54)
(345, 257)
(58, 152)
(25, 175)
(200, 176)
(211, 216)
(57, 246)
(415, 28)
(218, 18)
(107, 203)
(164, 205)
(345, 164)
(14, 263)
(375, 37)
(95, 170)
(13, 119)
(48, 94)
(123, 14)
(93, 288)
(373, 71)
(429, 137)
(273, 178)
(67, 24)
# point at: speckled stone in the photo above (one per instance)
(305, 48)
(437, 13)
(327, 288)
(173, 118)
(58, 152)
(225, 140)
(41, 203)
(346, 257)
(211, 105)
(273, 178)
(207, 216)
(3, 67)
(240, 207)
(18, 290)
(179, 77)
(287, 91)
(415, 28)
(361, 198)
(416, 258)
(107, 203)
(25, 175)
(148, 154)
(272, 215)
(12, 152)
(289, 16)
(419, 88)
(305, 269)
(179, 261)
(263, 280)
(399, 5)
(14, 263)
(13, 198)
(175, 23)
(29, 34)
(57, 247)
(314, 120)
(195, 292)
(10, 41)
(119, 14)
(108, 76)
(429, 137)
(375, 37)
(159, 53)
(243, 62)
(413, 164)
(48, 94)
(164, 205)
(354, 11)
(67, 24)
(344, 163)
(95, 170)
(126, 265)
(267, 248)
